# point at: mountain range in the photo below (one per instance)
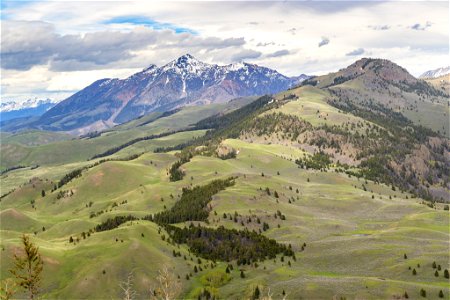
(7, 106)
(10, 110)
(436, 73)
(181, 82)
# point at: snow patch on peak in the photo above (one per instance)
(436, 73)
(149, 69)
(235, 66)
(29, 103)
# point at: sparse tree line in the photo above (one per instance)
(175, 173)
(78, 172)
(193, 203)
(12, 169)
(134, 141)
(399, 140)
(244, 246)
(318, 161)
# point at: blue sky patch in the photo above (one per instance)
(138, 20)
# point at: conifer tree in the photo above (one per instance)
(256, 293)
(423, 293)
(28, 268)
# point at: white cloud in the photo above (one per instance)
(76, 45)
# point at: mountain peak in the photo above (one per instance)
(186, 64)
(436, 73)
(187, 59)
(183, 81)
(186, 56)
(149, 68)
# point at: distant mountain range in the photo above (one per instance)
(436, 73)
(181, 82)
(32, 107)
(8, 106)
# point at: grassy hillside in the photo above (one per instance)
(307, 171)
(441, 82)
(355, 238)
(371, 82)
(35, 138)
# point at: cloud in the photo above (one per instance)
(245, 54)
(265, 44)
(27, 44)
(379, 27)
(419, 26)
(324, 41)
(279, 53)
(356, 52)
(140, 33)
(293, 31)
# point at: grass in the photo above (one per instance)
(354, 243)
(77, 150)
(312, 107)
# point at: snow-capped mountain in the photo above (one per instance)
(30, 108)
(30, 103)
(436, 73)
(181, 82)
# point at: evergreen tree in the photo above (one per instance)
(414, 272)
(423, 293)
(441, 294)
(405, 295)
(43, 193)
(446, 274)
(434, 265)
(436, 274)
(28, 268)
(242, 274)
(256, 293)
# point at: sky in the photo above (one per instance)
(55, 48)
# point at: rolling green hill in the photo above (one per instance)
(307, 194)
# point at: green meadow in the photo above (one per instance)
(355, 239)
